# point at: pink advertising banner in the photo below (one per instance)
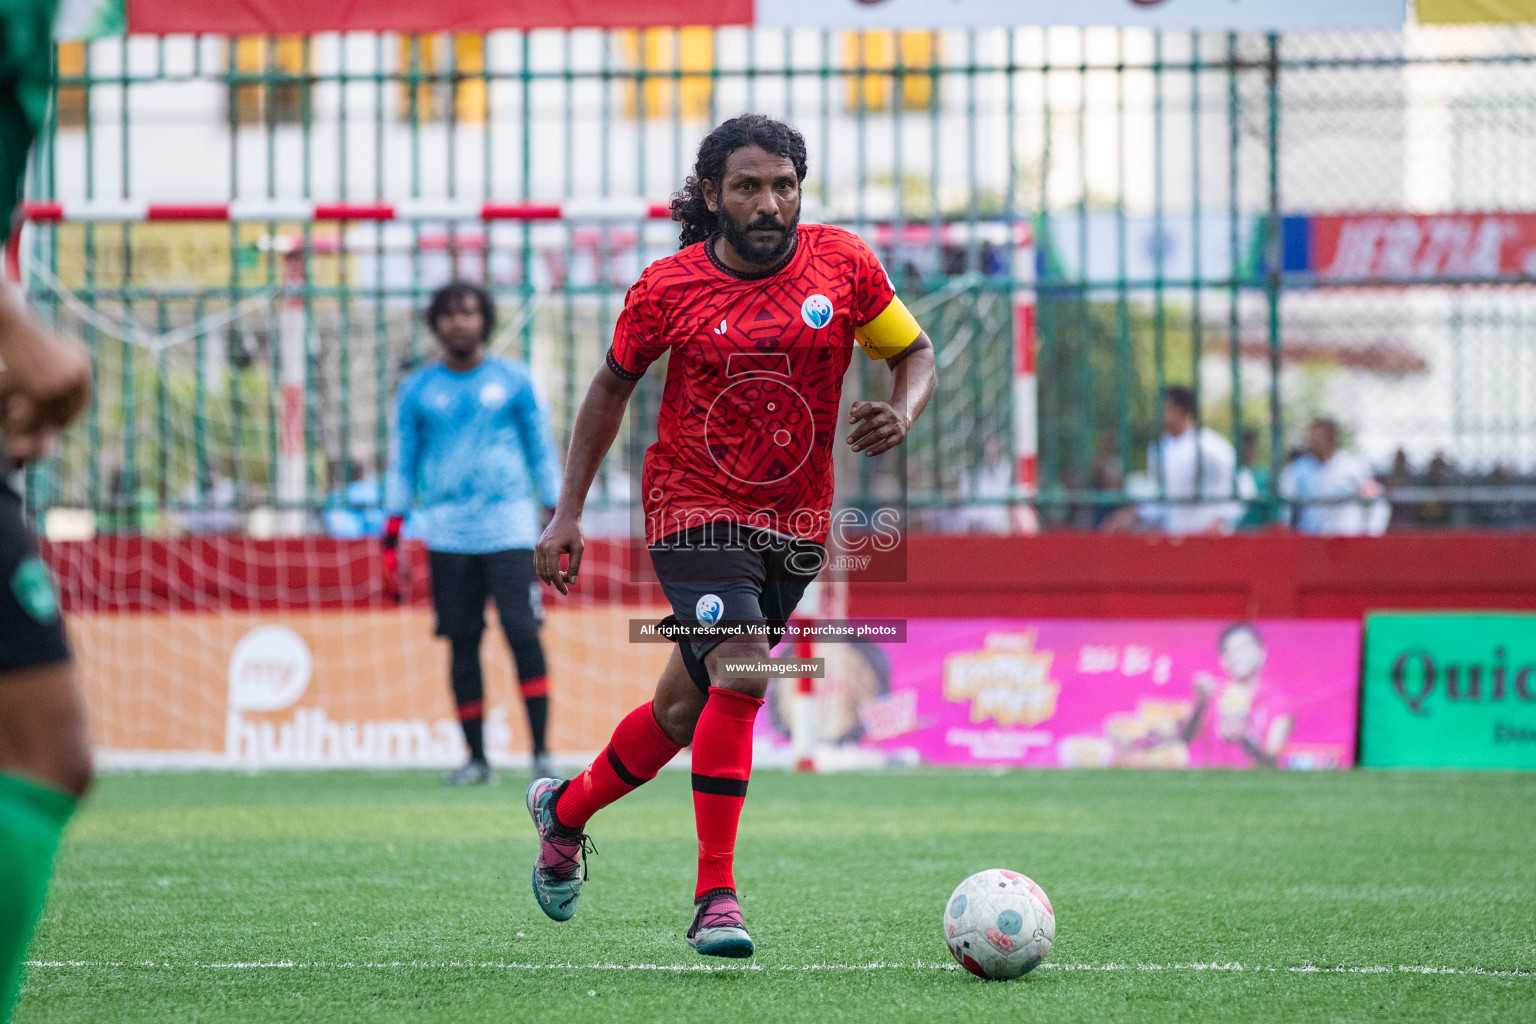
(1045, 693)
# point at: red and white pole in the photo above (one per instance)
(803, 728)
(1026, 402)
(1026, 433)
(293, 351)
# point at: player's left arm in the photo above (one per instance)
(538, 443)
(886, 329)
(884, 425)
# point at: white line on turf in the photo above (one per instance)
(878, 965)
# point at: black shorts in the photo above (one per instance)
(31, 628)
(732, 574)
(461, 583)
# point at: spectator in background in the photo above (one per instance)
(1440, 514)
(1320, 483)
(1502, 514)
(1262, 511)
(211, 508)
(1188, 462)
(986, 491)
(1108, 477)
(355, 506)
(1399, 476)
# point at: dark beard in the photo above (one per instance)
(747, 250)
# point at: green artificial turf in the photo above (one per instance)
(392, 899)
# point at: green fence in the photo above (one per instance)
(1146, 173)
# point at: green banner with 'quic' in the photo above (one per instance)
(1449, 691)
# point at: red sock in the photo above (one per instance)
(722, 763)
(638, 750)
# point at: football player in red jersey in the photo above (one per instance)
(760, 314)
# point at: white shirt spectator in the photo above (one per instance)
(1344, 475)
(1197, 463)
(991, 481)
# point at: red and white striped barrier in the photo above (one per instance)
(881, 232)
(1001, 233)
(129, 211)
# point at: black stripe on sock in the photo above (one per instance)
(626, 776)
(561, 828)
(719, 787)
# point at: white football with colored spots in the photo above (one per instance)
(999, 924)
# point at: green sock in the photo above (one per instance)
(32, 816)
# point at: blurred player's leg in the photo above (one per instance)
(458, 596)
(469, 703)
(45, 759)
(520, 604)
(646, 739)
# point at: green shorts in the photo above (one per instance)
(26, 82)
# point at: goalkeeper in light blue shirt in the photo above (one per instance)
(473, 457)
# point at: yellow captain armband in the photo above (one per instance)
(890, 332)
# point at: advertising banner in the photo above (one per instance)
(1088, 693)
(1449, 691)
(1410, 247)
(363, 688)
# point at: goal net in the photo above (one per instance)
(212, 517)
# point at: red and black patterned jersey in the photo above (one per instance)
(749, 409)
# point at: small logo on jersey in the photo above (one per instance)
(439, 399)
(493, 394)
(816, 311)
(709, 609)
(723, 326)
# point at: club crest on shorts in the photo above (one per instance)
(33, 588)
(709, 609)
(816, 311)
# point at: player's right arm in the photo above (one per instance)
(638, 339)
(45, 382)
(597, 424)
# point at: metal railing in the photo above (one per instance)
(1157, 177)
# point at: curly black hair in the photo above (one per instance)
(776, 137)
(449, 295)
